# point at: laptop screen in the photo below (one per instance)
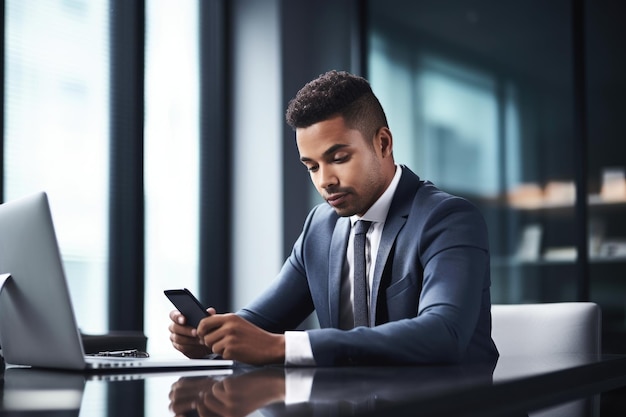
(37, 322)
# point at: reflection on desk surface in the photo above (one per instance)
(512, 385)
(34, 390)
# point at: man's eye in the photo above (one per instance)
(312, 168)
(340, 159)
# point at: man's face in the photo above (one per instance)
(349, 171)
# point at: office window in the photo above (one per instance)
(171, 160)
(56, 137)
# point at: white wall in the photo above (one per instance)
(257, 132)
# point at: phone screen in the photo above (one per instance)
(188, 305)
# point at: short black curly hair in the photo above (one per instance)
(337, 93)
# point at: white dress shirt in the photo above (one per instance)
(298, 350)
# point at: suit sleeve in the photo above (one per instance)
(452, 249)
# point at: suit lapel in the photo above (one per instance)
(396, 218)
(337, 256)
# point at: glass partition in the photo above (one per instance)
(479, 100)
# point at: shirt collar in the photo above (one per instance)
(378, 211)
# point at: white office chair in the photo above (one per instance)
(543, 329)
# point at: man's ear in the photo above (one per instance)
(384, 142)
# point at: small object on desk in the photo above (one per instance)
(130, 353)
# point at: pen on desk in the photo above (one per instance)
(130, 353)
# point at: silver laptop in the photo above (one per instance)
(37, 323)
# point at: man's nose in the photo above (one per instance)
(327, 177)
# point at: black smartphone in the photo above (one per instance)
(188, 305)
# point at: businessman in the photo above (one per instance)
(396, 270)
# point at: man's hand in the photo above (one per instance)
(185, 338)
(234, 338)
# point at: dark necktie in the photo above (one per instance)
(361, 316)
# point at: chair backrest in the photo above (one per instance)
(541, 329)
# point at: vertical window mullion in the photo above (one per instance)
(215, 182)
(126, 257)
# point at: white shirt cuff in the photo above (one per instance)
(298, 350)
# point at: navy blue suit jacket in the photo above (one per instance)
(430, 293)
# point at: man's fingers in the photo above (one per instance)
(177, 317)
(181, 339)
(209, 324)
(182, 330)
(213, 329)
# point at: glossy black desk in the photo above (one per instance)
(549, 386)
